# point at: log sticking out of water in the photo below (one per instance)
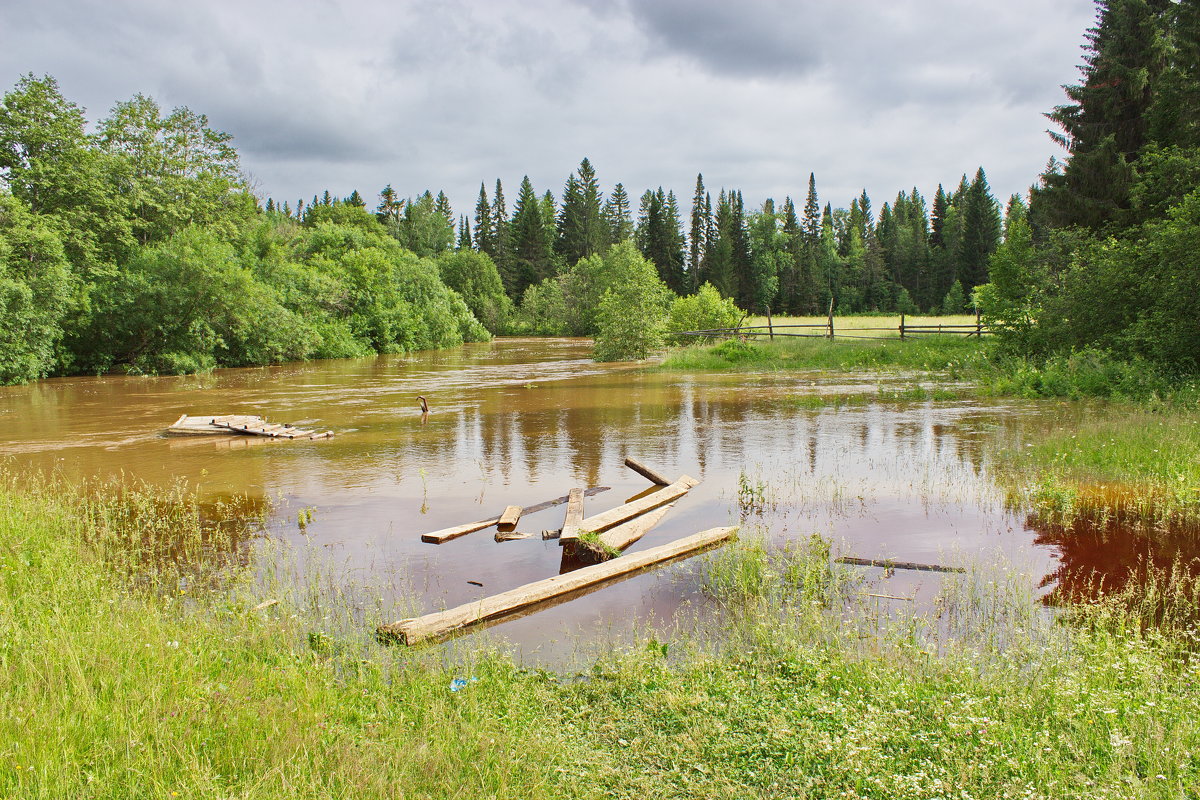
(615, 540)
(509, 519)
(446, 534)
(613, 517)
(574, 513)
(646, 472)
(889, 564)
(444, 623)
(510, 536)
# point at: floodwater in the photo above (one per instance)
(519, 421)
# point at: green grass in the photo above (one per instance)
(951, 356)
(1126, 464)
(132, 670)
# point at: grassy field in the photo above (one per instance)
(883, 326)
(135, 662)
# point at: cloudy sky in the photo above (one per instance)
(441, 94)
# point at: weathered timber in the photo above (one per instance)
(623, 513)
(444, 623)
(646, 472)
(446, 534)
(887, 563)
(241, 424)
(551, 534)
(510, 536)
(509, 518)
(574, 513)
(614, 540)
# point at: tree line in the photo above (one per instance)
(1104, 260)
(910, 257)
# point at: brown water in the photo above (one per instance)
(519, 421)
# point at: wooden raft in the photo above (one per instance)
(240, 425)
(445, 623)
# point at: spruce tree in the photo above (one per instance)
(696, 241)
(582, 230)
(980, 232)
(503, 254)
(616, 212)
(531, 258)
(464, 233)
(791, 268)
(485, 236)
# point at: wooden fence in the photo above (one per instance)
(828, 330)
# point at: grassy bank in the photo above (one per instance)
(132, 669)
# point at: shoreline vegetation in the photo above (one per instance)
(139, 659)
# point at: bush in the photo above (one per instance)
(705, 310)
(543, 310)
(632, 314)
(474, 276)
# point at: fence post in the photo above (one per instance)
(978, 324)
(770, 328)
(831, 318)
(902, 327)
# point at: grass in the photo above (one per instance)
(131, 671)
(883, 326)
(1129, 465)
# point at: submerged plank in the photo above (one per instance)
(887, 563)
(444, 623)
(446, 534)
(509, 518)
(613, 517)
(646, 472)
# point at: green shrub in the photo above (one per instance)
(704, 310)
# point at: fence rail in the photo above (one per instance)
(831, 331)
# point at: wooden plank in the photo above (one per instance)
(646, 472)
(444, 623)
(509, 536)
(889, 564)
(624, 513)
(625, 534)
(574, 513)
(509, 518)
(446, 534)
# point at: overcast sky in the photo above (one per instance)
(442, 94)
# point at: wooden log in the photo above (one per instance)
(890, 564)
(622, 536)
(444, 623)
(574, 513)
(508, 518)
(610, 519)
(509, 536)
(646, 472)
(551, 534)
(446, 534)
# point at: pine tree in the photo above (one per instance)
(355, 199)
(582, 228)
(658, 236)
(616, 212)
(1105, 125)
(980, 232)
(791, 269)
(442, 204)
(531, 260)
(485, 233)
(464, 233)
(390, 205)
(812, 213)
(270, 205)
(696, 244)
(503, 254)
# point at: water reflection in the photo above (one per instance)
(517, 421)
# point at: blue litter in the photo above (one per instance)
(459, 684)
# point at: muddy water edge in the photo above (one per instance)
(520, 421)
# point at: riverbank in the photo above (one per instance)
(140, 660)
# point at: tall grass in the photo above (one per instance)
(119, 686)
